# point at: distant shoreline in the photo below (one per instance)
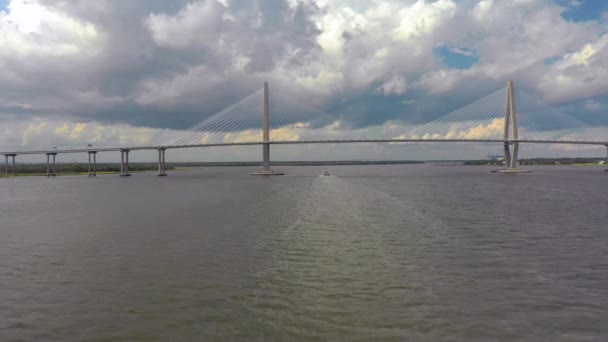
(594, 161)
(300, 163)
(70, 169)
(65, 169)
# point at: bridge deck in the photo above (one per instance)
(290, 142)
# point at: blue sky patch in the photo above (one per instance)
(583, 10)
(457, 58)
(4, 4)
(551, 60)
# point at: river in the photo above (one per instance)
(395, 252)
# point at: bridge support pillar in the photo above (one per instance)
(507, 150)
(12, 169)
(606, 157)
(124, 163)
(511, 135)
(266, 138)
(514, 156)
(93, 165)
(50, 167)
(162, 169)
(266, 157)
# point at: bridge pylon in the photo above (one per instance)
(266, 140)
(511, 134)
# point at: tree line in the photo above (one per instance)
(83, 167)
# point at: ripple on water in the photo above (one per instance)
(419, 255)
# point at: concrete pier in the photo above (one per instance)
(124, 163)
(50, 167)
(92, 166)
(606, 157)
(162, 169)
(266, 138)
(8, 169)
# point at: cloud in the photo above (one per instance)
(593, 106)
(579, 74)
(30, 30)
(481, 131)
(279, 134)
(441, 81)
(41, 133)
(463, 52)
(394, 86)
(33, 129)
(154, 64)
(195, 24)
(459, 130)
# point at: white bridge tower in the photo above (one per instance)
(266, 139)
(511, 135)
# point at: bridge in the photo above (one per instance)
(492, 119)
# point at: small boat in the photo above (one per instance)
(325, 173)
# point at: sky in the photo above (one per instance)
(134, 72)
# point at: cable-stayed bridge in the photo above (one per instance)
(503, 117)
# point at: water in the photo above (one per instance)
(401, 252)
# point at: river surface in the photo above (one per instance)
(399, 252)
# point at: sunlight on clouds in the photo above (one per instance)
(580, 74)
(280, 134)
(205, 139)
(63, 130)
(143, 136)
(72, 131)
(243, 136)
(336, 125)
(333, 25)
(422, 18)
(43, 133)
(481, 131)
(581, 57)
(463, 130)
(26, 15)
(77, 131)
(33, 130)
(28, 28)
(482, 8)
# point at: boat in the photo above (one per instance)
(325, 173)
